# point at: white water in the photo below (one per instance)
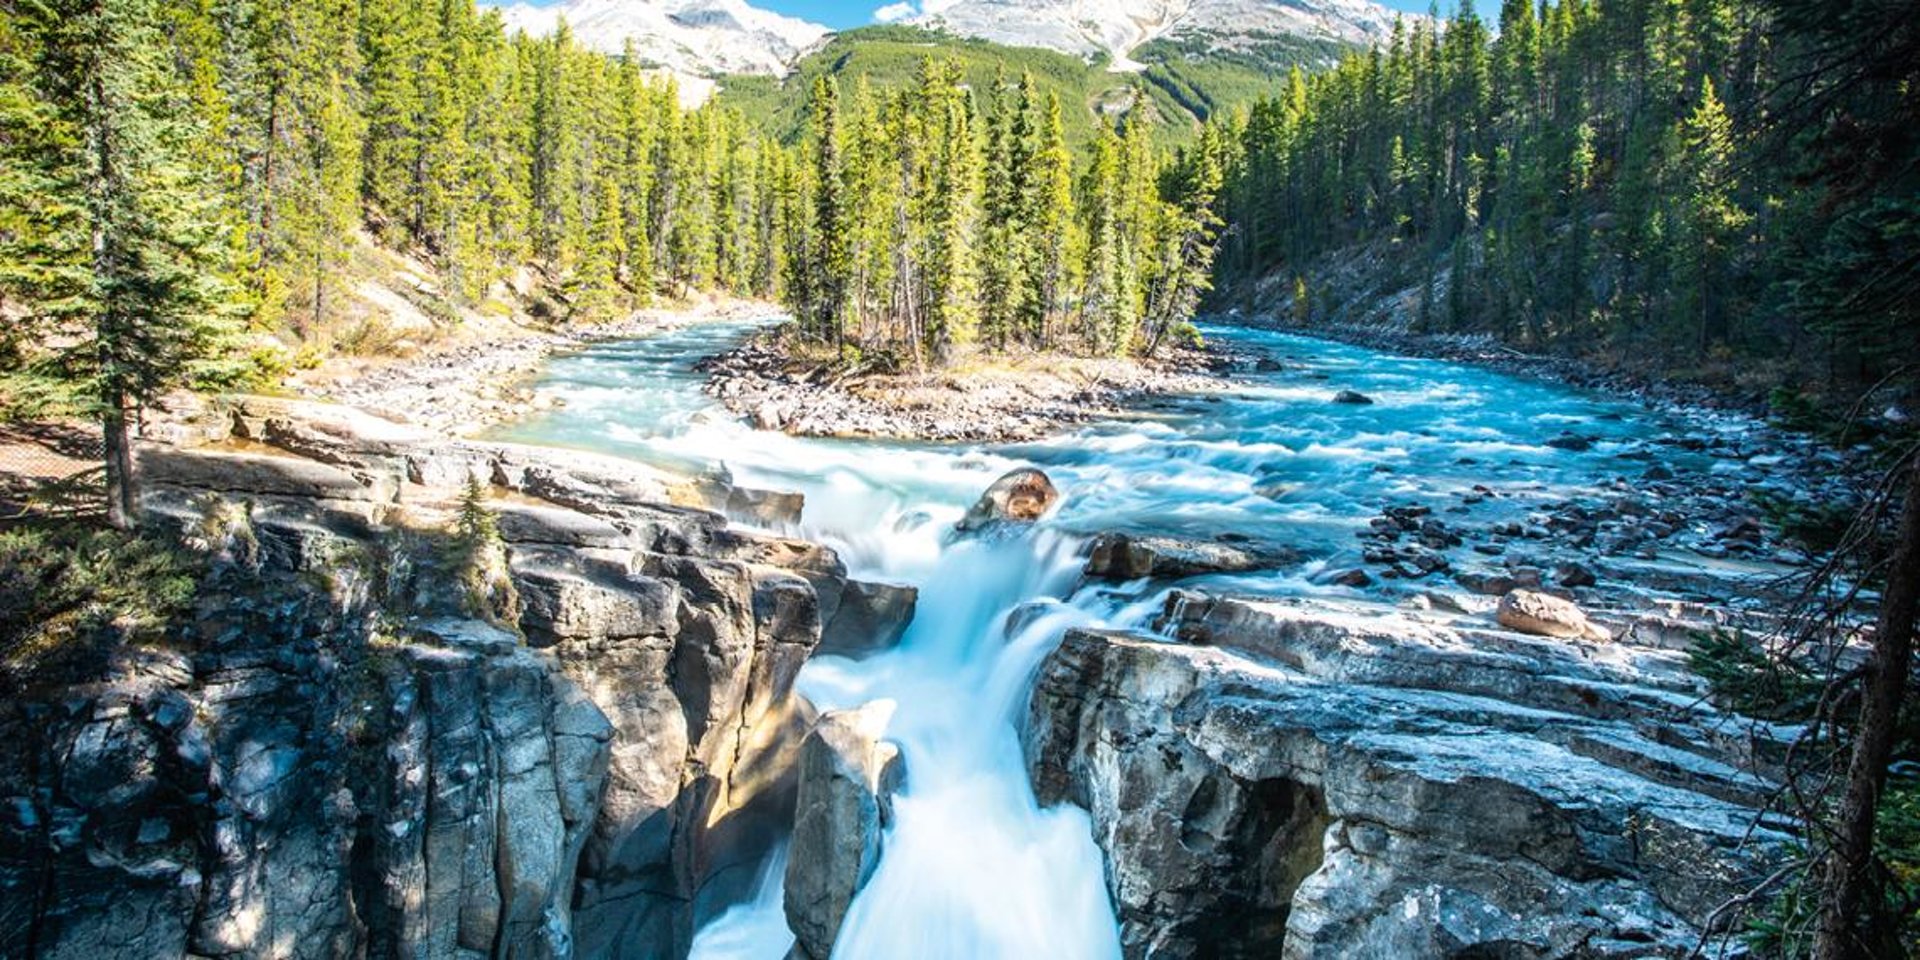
(973, 867)
(756, 928)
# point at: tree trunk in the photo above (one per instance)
(1849, 861)
(122, 495)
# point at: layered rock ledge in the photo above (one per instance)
(1309, 779)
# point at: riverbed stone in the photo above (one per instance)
(1546, 615)
(1123, 557)
(1021, 496)
(866, 618)
(848, 775)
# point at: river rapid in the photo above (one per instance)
(973, 867)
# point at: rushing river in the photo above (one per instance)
(973, 867)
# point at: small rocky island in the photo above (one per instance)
(1000, 399)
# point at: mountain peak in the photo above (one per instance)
(693, 38)
(1116, 28)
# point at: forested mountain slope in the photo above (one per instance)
(1649, 179)
(1178, 89)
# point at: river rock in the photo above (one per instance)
(767, 507)
(1352, 397)
(1574, 575)
(1319, 781)
(866, 618)
(769, 416)
(1021, 496)
(1546, 615)
(1353, 577)
(848, 775)
(1122, 557)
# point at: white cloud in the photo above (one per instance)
(894, 11)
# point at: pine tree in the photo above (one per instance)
(1712, 218)
(595, 285)
(769, 211)
(831, 260)
(950, 270)
(1052, 222)
(1002, 233)
(118, 252)
(394, 44)
(636, 130)
(556, 150)
(692, 250)
(1185, 239)
(1109, 312)
(322, 208)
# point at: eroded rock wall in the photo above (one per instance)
(1299, 781)
(344, 754)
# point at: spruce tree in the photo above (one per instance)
(832, 260)
(395, 40)
(1052, 223)
(1712, 217)
(595, 285)
(117, 252)
(950, 268)
(1108, 313)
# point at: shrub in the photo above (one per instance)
(482, 560)
(71, 592)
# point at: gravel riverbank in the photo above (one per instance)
(464, 387)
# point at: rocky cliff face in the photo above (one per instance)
(1294, 779)
(1118, 27)
(349, 753)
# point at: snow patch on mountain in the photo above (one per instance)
(1118, 27)
(691, 38)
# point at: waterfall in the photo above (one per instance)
(971, 865)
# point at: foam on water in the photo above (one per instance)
(755, 928)
(973, 867)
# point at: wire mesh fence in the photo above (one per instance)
(48, 468)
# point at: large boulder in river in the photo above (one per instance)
(865, 618)
(847, 779)
(1022, 496)
(1545, 615)
(1122, 557)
